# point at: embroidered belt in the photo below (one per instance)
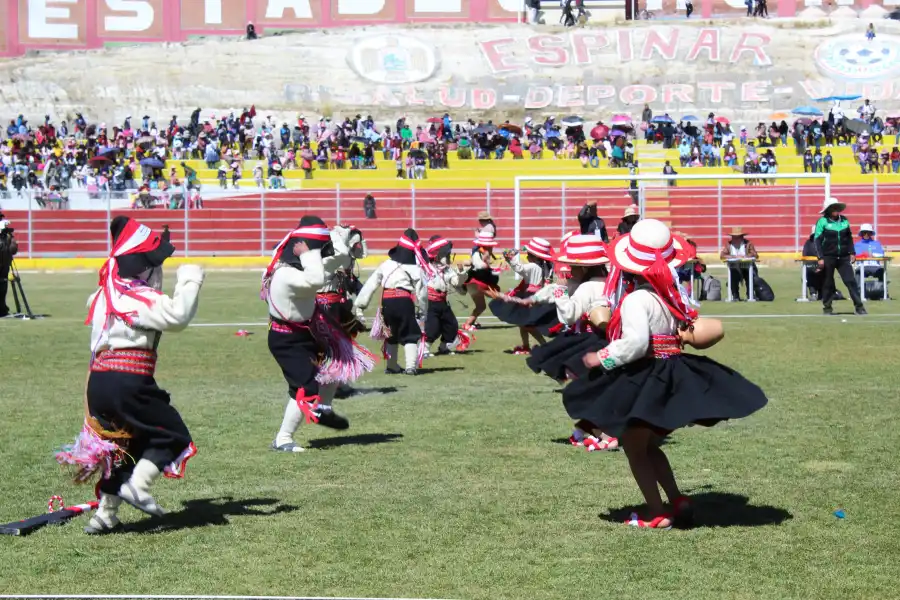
(436, 296)
(136, 362)
(665, 346)
(398, 293)
(286, 326)
(330, 298)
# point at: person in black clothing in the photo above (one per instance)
(631, 217)
(591, 223)
(251, 31)
(369, 207)
(813, 274)
(835, 251)
(8, 248)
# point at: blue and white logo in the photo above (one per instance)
(854, 57)
(393, 59)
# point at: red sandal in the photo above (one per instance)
(656, 523)
(594, 444)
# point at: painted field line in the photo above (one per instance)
(179, 597)
(492, 318)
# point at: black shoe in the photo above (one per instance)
(396, 371)
(329, 418)
(861, 311)
(828, 310)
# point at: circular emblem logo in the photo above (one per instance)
(393, 59)
(854, 57)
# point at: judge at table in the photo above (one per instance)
(736, 248)
(868, 247)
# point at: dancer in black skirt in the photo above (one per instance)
(482, 280)
(314, 352)
(402, 278)
(132, 434)
(440, 321)
(535, 273)
(335, 297)
(583, 307)
(641, 386)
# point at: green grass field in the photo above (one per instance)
(458, 484)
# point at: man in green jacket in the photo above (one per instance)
(834, 248)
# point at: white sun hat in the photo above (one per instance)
(832, 202)
(586, 250)
(636, 252)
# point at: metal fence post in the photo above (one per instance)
(412, 191)
(487, 191)
(337, 203)
(186, 228)
(875, 203)
(31, 235)
(719, 218)
(797, 246)
(262, 222)
(108, 221)
(563, 205)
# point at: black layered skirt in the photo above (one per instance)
(135, 404)
(561, 357)
(539, 316)
(342, 313)
(664, 393)
(483, 278)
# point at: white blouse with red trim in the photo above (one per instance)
(159, 313)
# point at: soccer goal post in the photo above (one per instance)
(701, 204)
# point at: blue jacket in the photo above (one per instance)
(872, 248)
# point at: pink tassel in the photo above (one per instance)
(463, 340)
(91, 454)
(421, 351)
(379, 330)
(345, 360)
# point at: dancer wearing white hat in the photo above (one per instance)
(482, 281)
(535, 273)
(582, 305)
(641, 386)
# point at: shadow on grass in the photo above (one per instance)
(356, 392)
(717, 509)
(363, 439)
(209, 511)
(438, 370)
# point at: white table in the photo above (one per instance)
(740, 261)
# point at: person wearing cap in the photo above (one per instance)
(868, 247)
(311, 349)
(642, 386)
(481, 281)
(535, 273)
(738, 247)
(836, 252)
(132, 434)
(402, 278)
(632, 215)
(583, 307)
(590, 222)
(440, 321)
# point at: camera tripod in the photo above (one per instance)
(15, 282)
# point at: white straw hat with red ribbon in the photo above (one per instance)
(649, 239)
(585, 250)
(539, 247)
(485, 239)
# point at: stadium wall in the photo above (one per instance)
(743, 69)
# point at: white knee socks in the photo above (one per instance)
(105, 518)
(392, 363)
(292, 419)
(411, 355)
(136, 491)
